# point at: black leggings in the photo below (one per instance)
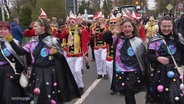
(129, 97)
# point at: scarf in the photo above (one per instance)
(76, 38)
(151, 30)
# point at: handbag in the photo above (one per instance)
(23, 80)
(179, 69)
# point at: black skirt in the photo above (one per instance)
(133, 81)
(10, 90)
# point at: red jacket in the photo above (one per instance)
(84, 38)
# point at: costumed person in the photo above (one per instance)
(129, 63)
(110, 48)
(64, 41)
(84, 26)
(151, 28)
(30, 31)
(11, 65)
(166, 83)
(51, 79)
(100, 47)
(77, 49)
(54, 23)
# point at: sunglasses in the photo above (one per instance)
(112, 22)
(71, 22)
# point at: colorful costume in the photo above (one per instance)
(164, 85)
(10, 88)
(51, 79)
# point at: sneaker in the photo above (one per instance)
(81, 90)
(105, 76)
(113, 93)
(99, 76)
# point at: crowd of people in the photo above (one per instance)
(135, 56)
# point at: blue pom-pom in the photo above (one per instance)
(170, 74)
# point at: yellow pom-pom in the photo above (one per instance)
(9, 38)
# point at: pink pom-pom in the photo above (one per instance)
(52, 102)
(180, 77)
(123, 84)
(36, 91)
(160, 88)
(152, 75)
(55, 84)
(182, 87)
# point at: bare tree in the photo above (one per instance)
(33, 3)
(17, 5)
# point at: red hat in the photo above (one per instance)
(125, 15)
(112, 17)
(136, 16)
(98, 15)
(72, 16)
(43, 14)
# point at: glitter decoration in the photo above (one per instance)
(170, 74)
(160, 88)
(158, 71)
(128, 78)
(166, 89)
(11, 77)
(177, 98)
(119, 77)
(174, 80)
(59, 91)
(47, 83)
(138, 81)
(49, 96)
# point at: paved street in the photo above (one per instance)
(98, 91)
